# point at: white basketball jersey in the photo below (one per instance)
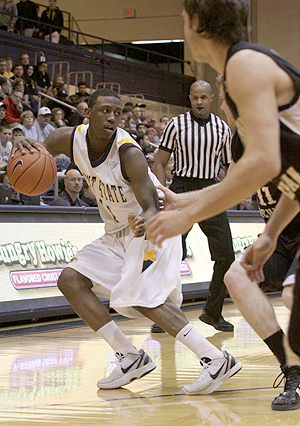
(113, 191)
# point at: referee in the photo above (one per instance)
(200, 141)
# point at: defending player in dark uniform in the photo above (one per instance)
(263, 92)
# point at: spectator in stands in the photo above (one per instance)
(18, 71)
(42, 124)
(15, 196)
(41, 77)
(5, 143)
(8, 15)
(6, 88)
(27, 120)
(82, 93)
(2, 66)
(160, 127)
(141, 128)
(70, 195)
(2, 113)
(27, 9)
(74, 100)
(127, 114)
(88, 196)
(58, 83)
(9, 66)
(152, 135)
(135, 119)
(79, 117)
(62, 95)
(58, 116)
(17, 131)
(30, 86)
(14, 107)
(52, 18)
(62, 162)
(164, 119)
(122, 123)
(24, 59)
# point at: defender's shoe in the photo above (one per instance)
(290, 398)
(129, 367)
(213, 375)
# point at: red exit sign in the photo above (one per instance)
(130, 13)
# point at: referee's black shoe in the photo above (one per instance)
(156, 329)
(219, 324)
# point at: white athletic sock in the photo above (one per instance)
(191, 338)
(111, 333)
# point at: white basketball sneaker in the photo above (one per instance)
(129, 367)
(213, 375)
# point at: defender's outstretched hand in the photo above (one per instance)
(21, 141)
(165, 225)
(169, 199)
(256, 255)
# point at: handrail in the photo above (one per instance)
(104, 42)
(55, 100)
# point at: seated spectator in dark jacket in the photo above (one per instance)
(82, 93)
(79, 117)
(70, 195)
(88, 196)
(27, 9)
(41, 77)
(18, 71)
(51, 19)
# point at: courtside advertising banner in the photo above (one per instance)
(32, 255)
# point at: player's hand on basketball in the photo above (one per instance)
(21, 141)
(165, 225)
(256, 255)
(137, 224)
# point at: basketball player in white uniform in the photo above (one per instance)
(122, 265)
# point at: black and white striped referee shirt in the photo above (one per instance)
(198, 149)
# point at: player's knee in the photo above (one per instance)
(231, 278)
(66, 280)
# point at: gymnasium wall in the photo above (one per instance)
(274, 23)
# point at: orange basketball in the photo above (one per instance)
(32, 173)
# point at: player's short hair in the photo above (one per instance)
(222, 20)
(102, 92)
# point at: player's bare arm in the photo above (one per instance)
(136, 169)
(58, 142)
(260, 251)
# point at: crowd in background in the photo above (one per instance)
(22, 114)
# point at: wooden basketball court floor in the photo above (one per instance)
(48, 375)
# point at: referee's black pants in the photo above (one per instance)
(217, 231)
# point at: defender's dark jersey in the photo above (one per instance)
(267, 197)
(288, 181)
